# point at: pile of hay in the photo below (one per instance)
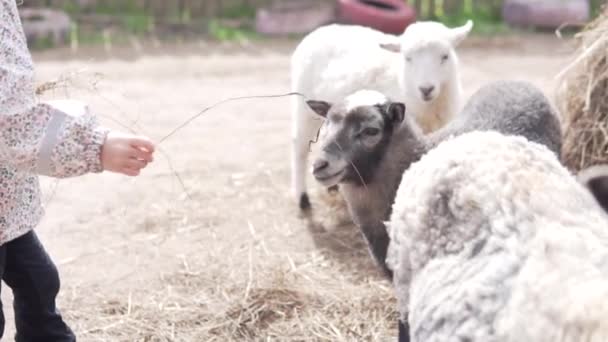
(583, 100)
(205, 303)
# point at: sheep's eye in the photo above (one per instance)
(371, 132)
(444, 58)
(408, 59)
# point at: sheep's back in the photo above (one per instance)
(336, 60)
(561, 293)
(511, 108)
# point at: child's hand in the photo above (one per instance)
(126, 153)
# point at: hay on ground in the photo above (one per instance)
(203, 304)
(583, 100)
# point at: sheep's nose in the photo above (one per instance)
(426, 91)
(319, 165)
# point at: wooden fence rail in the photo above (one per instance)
(430, 9)
(426, 9)
(214, 8)
(157, 8)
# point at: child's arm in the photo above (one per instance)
(60, 140)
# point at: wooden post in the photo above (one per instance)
(497, 10)
(452, 7)
(418, 7)
(481, 5)
(181, 10)
(432, 9)
(194, 7)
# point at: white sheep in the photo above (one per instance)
(419, 68)
(492, 239)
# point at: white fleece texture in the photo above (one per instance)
(492, 239)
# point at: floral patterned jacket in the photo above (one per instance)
(57, 140)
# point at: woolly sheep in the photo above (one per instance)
(492, 239)
(368, 142)
(419, 68)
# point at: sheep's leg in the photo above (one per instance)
(404, 331)
(377, 241)
(304, 131)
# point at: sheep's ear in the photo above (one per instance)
(392, 47)
(319, 107)
(458, 34)
(595, 178)
(396, 111)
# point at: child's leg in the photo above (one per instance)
(34, 279)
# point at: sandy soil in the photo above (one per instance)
(142, 261)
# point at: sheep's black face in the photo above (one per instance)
(354, 140)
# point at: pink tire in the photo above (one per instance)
(389, 16)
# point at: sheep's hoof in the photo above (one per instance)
(332, 189)
(304, 202)
(404, 331)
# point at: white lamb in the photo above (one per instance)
(419, 68)
(492, 239)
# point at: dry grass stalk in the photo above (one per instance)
(78, 79)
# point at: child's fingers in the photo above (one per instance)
(142, 143)
(130, 172)
(136, 164)
(139, 154)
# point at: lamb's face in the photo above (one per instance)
(355, 136)
(427, 68)
(429, 57)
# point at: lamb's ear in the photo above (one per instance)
(595, 178)
(458, 34)
(319, 107)
(392, 47)
(396, 111)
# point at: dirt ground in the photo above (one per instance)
(232, 260)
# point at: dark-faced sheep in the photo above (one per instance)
(368, 142)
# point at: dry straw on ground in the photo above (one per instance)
(228, 293)
(205, 303)
(255, 293)
(583, 100)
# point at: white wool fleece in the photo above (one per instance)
(493, 240)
